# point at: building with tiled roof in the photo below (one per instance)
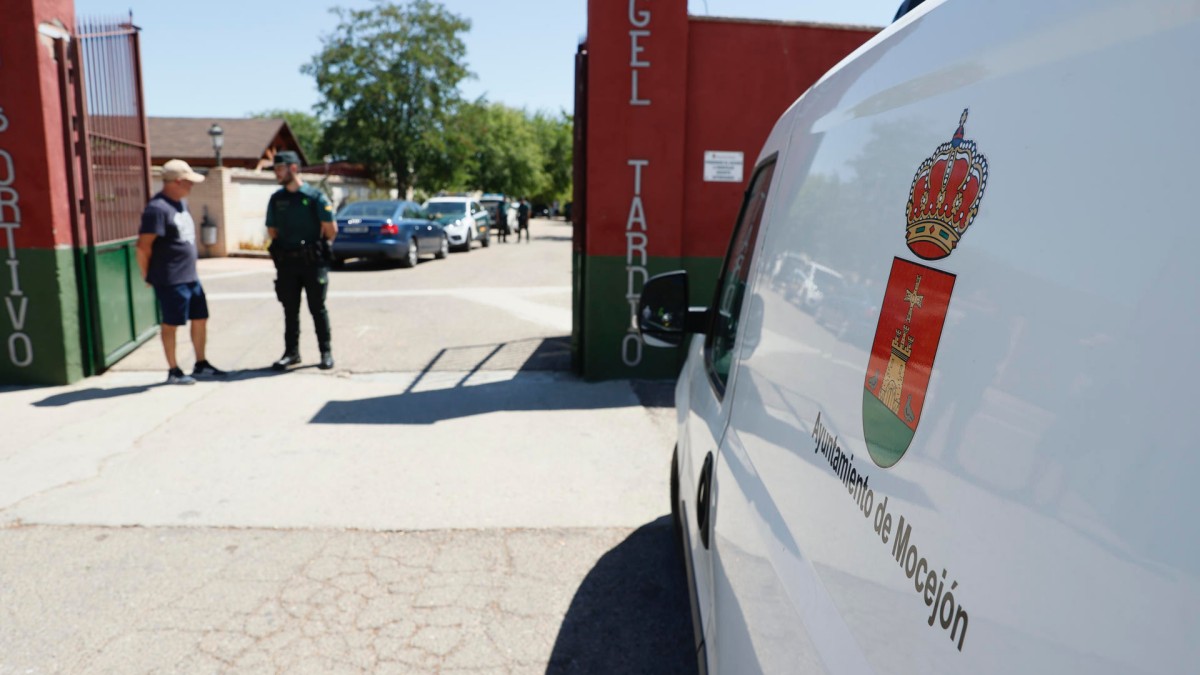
(249, 143)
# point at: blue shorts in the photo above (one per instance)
(181, 303)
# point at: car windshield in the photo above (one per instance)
(440, 209)
(368, 210)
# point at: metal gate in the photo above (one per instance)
(108, 165)
(579, 208)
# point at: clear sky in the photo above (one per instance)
(229, 58)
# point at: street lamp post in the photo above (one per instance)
(218, 139)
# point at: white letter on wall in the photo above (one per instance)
(635, 49)
(6, 165)
(635, 241)
(639, 18)
(8, 204)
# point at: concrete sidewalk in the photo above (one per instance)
(450, 407)
(448, 499)
(339, 523)
(378, 451)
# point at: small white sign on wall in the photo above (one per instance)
(723, 167)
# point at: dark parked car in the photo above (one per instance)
(387, 230)
(497, 204)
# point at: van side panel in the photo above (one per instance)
(1041, 518)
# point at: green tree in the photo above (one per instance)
(502, 154)
(512, 151)
(388, 77)
(307, 129)
(555, 140)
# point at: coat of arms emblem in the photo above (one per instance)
(942, 203)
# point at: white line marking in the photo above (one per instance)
(464, 293)
(226, 275)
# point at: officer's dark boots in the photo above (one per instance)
(290, 358)
(326, 360)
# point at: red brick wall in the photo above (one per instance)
(31, 125)
(664, 88)
(625, 126)
(742, 75)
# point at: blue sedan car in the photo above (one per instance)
(387, 230)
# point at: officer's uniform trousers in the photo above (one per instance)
(295, 272)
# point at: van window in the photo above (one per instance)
(731, 289)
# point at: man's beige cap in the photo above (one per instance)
(177, 169)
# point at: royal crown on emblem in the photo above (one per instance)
(945, 196)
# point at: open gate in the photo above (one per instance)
(579, 209)
(108, 167)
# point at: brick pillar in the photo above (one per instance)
(637, 93)
(40, 340)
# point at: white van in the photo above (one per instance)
(999, 472)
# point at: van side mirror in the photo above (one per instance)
(663, 315)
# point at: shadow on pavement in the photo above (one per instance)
(631, 613)
(418, 404)
(655, 393)
(93, 394)
(522, 393)
(452, 398)
(375, 264)
(97, 393)
(265, 371)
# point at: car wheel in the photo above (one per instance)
(410, 260)
(443, 248)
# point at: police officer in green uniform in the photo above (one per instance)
(300, 222)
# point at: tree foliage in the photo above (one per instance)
(388, 77)
(511, 151)
(307, 129)
(501, 149)
(555, 139)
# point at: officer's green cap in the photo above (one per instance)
(286, 157)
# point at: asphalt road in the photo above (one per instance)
(504, 301)
(448, 499)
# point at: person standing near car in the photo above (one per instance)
(502, 220)
(300, 222)
(166, 254)
(523, 219)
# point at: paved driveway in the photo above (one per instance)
(448, 499)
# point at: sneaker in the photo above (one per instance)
(206, 369)
(177, 376)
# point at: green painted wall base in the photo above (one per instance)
(609, 348)
(71, 314)
(40, 340)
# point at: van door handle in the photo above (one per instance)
(703, 499)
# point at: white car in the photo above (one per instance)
(1012, 185)
(464, 220)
